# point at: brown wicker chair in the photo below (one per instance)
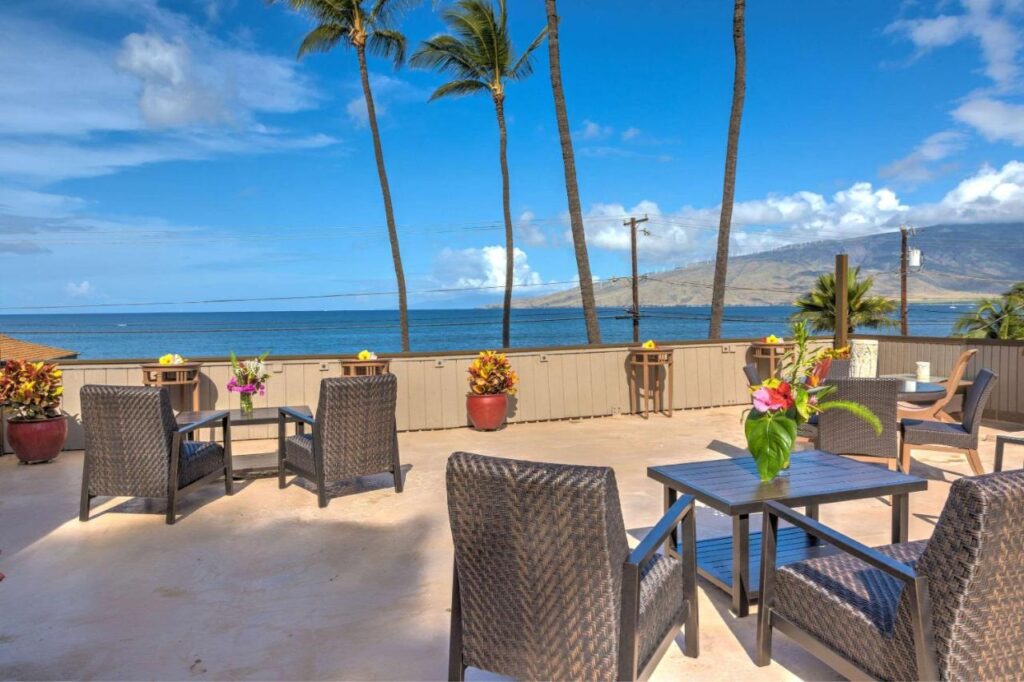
(843, 433)
(940, 435)
(353, 434)
(945, 608)
(545, 586)
(133, 447)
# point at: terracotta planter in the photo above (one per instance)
(37, 441)
(487, 412)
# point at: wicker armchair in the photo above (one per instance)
(843, 433)
(945, 608)
(545, 586)
(133, 447)
(753, 376)
(839, 369)
(940, 435)
(354, 434)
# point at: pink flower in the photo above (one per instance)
(767, 399)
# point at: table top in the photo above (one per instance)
(921, 391)
(259, 416)
(732, 486)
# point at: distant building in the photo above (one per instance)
(17, 349)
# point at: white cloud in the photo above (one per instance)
(920, 164)
(483, 267)
(997, 121)
(528, 232)
(386, 89)
(594, 131)
(990, 195)
(629, 134)
(79, 289)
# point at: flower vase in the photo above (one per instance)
(245, 403)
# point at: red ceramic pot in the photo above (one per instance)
(487, 412)
(37, 441)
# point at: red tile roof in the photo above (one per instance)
(16, 349)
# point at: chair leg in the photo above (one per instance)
(321, 491)
(891, 464)
(975, 462)
(397, 473)
(456, 670)
(229, 481)
(280, 470)
(171, 507)
(905, 458)
(83, 509)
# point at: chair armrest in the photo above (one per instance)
(868, 555)
(657, 535)
(287, 414)
(218, 416)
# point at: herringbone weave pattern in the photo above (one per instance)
(355, 430)
(539, 550)
(127, 439)
(661, 603)
(846, 434)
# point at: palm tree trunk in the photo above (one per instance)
(572, 190)
(506, 314)
(385, 189)
(739, 86)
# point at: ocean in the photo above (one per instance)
(202, 334)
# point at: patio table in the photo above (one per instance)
(260, 416)
(733, 487)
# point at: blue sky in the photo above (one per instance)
(159, 150)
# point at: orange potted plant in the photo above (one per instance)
(31, 392)
(491, 382)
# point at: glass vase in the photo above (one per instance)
(245, 402)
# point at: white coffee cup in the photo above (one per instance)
(909, 386)
(924, 371)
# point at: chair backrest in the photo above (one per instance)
(539, 550)
(128, 431)
(839, 369)
(354, 428)
(843, 433)
(976, 579)
(977, 397)
(957, 373)
(753, 376)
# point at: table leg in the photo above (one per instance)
(1000, 444)
(741, 565)
(671, 396)
(900, 517)
(813, 512)
(673, 540)
(632, 390)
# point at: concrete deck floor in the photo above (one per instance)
(264, 585)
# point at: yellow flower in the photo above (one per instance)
(649, 344)
(166, 359)
(366, 355)
(772, 339)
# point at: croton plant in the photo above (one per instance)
(31, 390)
(782, 404)
(491, 374)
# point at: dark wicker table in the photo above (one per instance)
(733, 487)
(260, 416)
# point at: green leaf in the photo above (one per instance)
(855, 409)
(770, 438)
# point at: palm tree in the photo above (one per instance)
(572, 190)
(739, 88)
(364, 25)
(999, 318)
(1016, 291)
(480, 57)
(818, 307)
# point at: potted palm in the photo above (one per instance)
(31, 393)
(491, 382)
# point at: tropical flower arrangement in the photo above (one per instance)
(31, 390)
(171, 359)
(781, 405)
(491, 374)
(248, 377)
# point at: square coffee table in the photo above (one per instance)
(260, 416)
(733, 487)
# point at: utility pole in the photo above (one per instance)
(842, 302)
(635, 312)
(904, 266)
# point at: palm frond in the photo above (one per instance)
(323, 38)
(855, 409)
(459, 88)
(387, 43)
(524, 66)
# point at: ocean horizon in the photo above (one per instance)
(215, 334)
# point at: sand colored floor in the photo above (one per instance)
(264, 585)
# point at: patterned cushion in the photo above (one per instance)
(852, 608)
(919, 432)
(661, 603)
(198, 458)
(298, 450)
